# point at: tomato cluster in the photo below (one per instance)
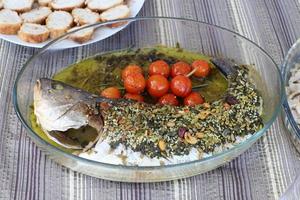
(165, 84)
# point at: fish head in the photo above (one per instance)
(59, 107)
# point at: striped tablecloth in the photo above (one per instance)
(262, 173)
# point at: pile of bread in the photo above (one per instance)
(36, 20)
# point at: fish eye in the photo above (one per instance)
(57, 86)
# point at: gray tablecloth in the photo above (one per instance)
(263, 172)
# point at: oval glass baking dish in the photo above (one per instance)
(292, 58)
(148, 32)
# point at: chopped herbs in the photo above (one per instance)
(163, 131)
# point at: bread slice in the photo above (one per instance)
(85, 16)
(58, 23)
(44, 2)
(118, 12)
(101, 5)
(18, 5)
(33, 33)
(81, 36)
(35, 5)
(10, 22)
(37, 16)
(66, 5)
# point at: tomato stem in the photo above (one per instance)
(104, 84)
(199, 86)
(108, 84)
(192, 72)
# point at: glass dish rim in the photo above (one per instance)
(251, 139)
(285, 70)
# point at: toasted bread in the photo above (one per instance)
(18, 5)
(59, 22)
(44, 2)
(33, 33)
(37, 16)
(10, 22)
(101, 5)
(35, 5)
(85, 16)
(81, 36)
(118, 12)
(66, 5)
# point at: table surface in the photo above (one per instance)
(262, 172)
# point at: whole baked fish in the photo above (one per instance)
(154, 130)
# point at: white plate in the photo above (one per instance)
(100, 34)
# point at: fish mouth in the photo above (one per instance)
(37, 90)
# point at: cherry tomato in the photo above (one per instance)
(203, 68)
(135, 97)
(135, 83)
(181, 86)
(193, 99)
(159, 67)
(180, 68)
(131, 69)
(157, 85)
(111, 93)
(168, 99)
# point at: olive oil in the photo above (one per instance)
(96, 73)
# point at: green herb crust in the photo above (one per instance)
(154, 130)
